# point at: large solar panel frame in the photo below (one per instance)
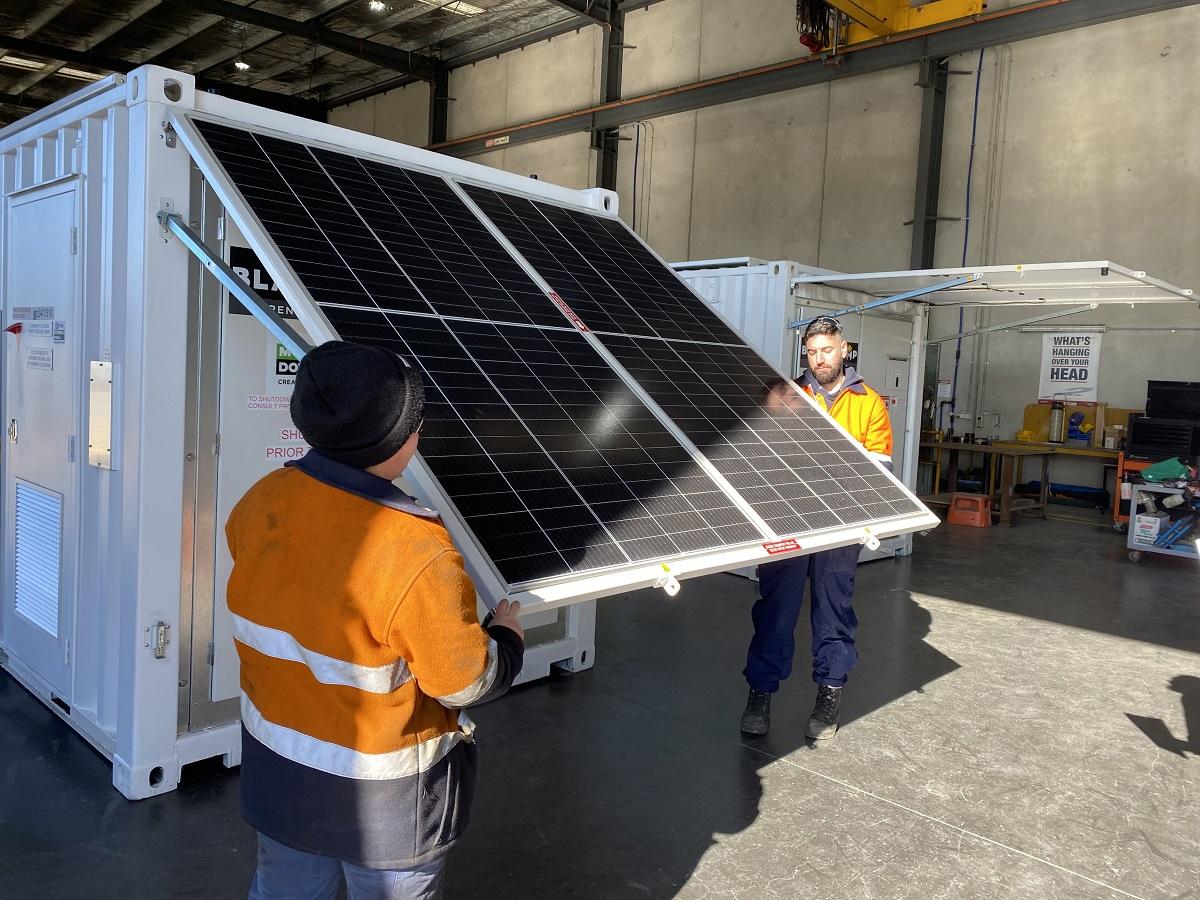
(358, 263)
(802, 420)
(552, 591)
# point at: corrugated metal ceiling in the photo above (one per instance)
(100, 34)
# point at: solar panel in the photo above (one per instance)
(565, 479)
(612, 283)
(586, 413)
(793, 466)
(550, 458)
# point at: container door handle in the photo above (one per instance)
(12, 431)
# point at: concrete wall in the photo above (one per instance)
(400, 115)
(1087, 147)
(567, 160)
(542, 79)
(821, 174)
(545, 78)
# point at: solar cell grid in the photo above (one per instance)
(612, 284)
(797, 470)
(783, 462)
(552, 459)
(363, 233)
(581, 464)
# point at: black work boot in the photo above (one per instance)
(823, 723)
(757, 717)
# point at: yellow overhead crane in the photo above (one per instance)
(870, 20)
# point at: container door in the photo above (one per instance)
(257, 434)
(239, 430)
(895, 388)
(42, 383)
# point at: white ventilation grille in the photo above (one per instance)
(39, 555)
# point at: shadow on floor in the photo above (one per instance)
(1095, 586)
(66, 833)
(638, 766)
(1188, 688)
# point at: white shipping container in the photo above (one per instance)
(760, 298)
(139, 405)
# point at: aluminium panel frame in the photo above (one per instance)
(545, 593)
(1063, 283)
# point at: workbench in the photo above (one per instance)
(1107, 458)
(1010, 456)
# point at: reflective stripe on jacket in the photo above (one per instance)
(356, 626)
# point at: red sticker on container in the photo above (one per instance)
(567, 311)
(784, 546)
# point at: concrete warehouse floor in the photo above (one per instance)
(1025, 722)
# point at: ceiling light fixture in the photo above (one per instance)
(31, 65)
(78, 74)
(241, 65)
(16, 62)
(457, 7)
(377, 6)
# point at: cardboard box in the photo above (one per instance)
(1147, 526)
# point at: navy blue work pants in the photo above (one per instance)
(830, 573)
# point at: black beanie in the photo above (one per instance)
(356, 404)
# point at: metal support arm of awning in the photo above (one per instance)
(255, 304)
(897, 298)
(1005, 326)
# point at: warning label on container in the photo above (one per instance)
(25, 313)
(44, 328)
(284, 452)
(267, 401)
(39, 358)
(785, 546)
(294, 448)
(567, 311)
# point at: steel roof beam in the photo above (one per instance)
(379, 54)
(517, 42)
(382, 26)
(44, 16)
(934, 80)
(594, 12)
(307, 108)
(94, 38)
(161, 48)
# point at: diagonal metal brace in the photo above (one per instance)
(1017, 323)
(886, 301)
(255, 305)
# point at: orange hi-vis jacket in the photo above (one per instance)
(861, 411)
(356, 626)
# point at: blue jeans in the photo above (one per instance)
(775, 614)
(287, 874)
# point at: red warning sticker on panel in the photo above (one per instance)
(567, 311)
(784, 546)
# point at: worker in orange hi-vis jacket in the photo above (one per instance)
(841, 391)
(360, 645)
